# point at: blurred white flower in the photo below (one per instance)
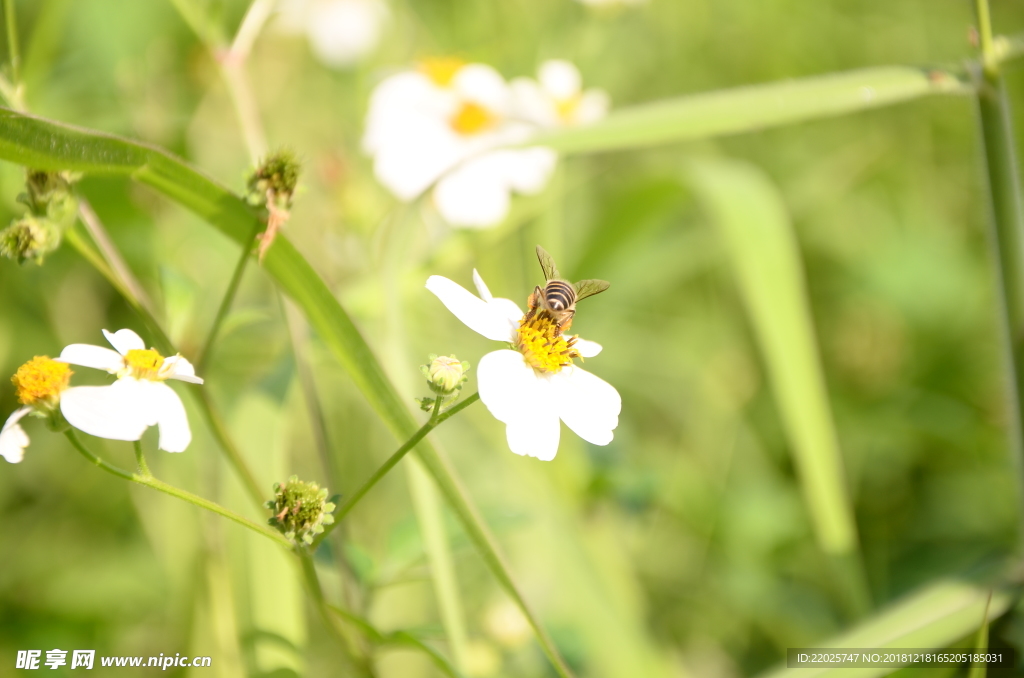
(39, 384)
(533, 384)
(341, 32)
(556, 98)
(442, 123)
(137, 400)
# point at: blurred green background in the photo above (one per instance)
(684, 548)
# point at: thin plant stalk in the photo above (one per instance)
(1006, 235)
(225, 306)
(149, 481)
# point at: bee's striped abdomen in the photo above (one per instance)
(559, 295)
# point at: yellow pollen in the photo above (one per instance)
(441, 70)
(542, 344)
(41, 380)
(566, 108)
(472, 119)
(144, 363)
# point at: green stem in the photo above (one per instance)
(225, 306)
(140, 459)
(149, 481)
(988, 56)
(12, 40)
(1006, 234)
(434, 421)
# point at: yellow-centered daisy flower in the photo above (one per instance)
(557, 98)
(534, 383)
(39, 384)
(137, 400)
(443, 123)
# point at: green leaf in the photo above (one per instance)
(753, 222)
(45, 144)
(756, 107)
(937, 616)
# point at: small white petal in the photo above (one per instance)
(124, 341)
(593, 106)
(560, 78)
(509, 387)
(532, 103)
(534, 437)
(97, 357)
(509, 310)
(482, 84)
(116, 412)
(177, 367)
(587, 404)
(481, 287)
(475, 313)
(527, 171)
(587, 349)
(343, 31)
(168, 412)
(475, 194)
(13, 439)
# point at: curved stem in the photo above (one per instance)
(225, 306)
(141, 459)
(435, 420)
(149, 481)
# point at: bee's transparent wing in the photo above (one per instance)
(588, 288)
(547, 264)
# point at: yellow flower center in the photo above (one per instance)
(566, 108)
(144, 364)
(542, 344)
(472, 119)
(441, 70)
(41, 380)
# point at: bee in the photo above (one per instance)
(559, 297)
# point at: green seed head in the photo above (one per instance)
(29, 238)
(277, 177)
(301, 510)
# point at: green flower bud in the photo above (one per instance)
(50, 194)
(276, 178)
(29, 238)
(445, 374)
(301, 510)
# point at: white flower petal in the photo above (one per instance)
(527, 171)
(509, 387)
(475, 194)
(124, 341)
(343, 31)
(481, 287)
(587, 404)
(532, 103)
(475, 313)
(482, 84)
(593, 106)
(117, 412)
(168, 412)
(88, 355)
(587, 349)
(13, 439)
(534, 437)
(416, 156)
(177, 367)
(560, 78)
(509, 310)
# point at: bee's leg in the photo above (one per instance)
(566, 321)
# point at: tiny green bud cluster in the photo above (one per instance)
(52, 207)
(445, 377)
(274, 180)
(301, 510)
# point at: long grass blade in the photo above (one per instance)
(755, 107)
(752, 219)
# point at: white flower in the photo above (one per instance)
(556, 98)
(534, 384)
(442, 123)
(13, 439)
(137, 400)
(341, 32)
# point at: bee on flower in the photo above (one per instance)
(533, 383)
(443, 123)
(137, 400)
